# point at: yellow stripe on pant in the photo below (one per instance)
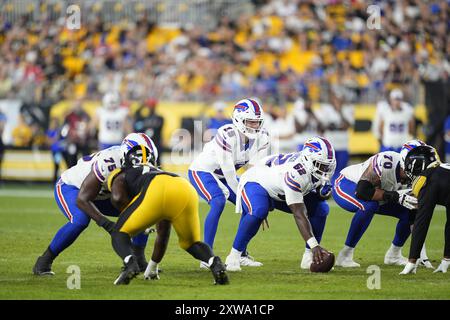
(166, 198)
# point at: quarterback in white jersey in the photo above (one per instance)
(289, 183)
(213, 172)
(375, 187)
(81, 194)
(112, 121)
(394, 122)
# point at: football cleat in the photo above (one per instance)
(306, 260)
(218, 270)
(43, 267)
(233, 263)
(395, 259)
(425, 263)
(410, 268)
(129, 271)
(247, 260)
(346, 261)
(443, 267)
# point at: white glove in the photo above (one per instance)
(409, 202)
(152, 271)
(410, 268)
(445, 263)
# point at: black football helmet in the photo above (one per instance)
(419, 159)
(139, 155)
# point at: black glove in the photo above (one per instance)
(106, 224)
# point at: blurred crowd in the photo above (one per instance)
(285, 49)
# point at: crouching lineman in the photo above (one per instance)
(285, 183)
(213, 172)
(374, 187)
(431, 186)
(156, 197)
(81, 192)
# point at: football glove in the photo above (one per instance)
(445, 263)
(407, 201)
(325, 190)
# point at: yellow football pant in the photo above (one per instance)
(165, 198)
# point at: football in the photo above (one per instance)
(325, 266)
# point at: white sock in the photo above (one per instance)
(395, 250)
(307, 251)
(347, 251)
(235, 253)
(423, 253)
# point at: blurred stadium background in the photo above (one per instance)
(177, 61)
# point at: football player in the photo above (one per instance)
(213, 172)
(286, 182)
(112, 121)
(431, 185)
(394, 122)
(81, 192)
(157, 197)
(375, 186)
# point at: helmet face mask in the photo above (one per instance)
(408, 146)
(138, 155)
(319, 158)
(418, 160)
(138, 142)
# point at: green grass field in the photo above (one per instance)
(30, 218)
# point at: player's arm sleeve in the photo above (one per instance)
(292, 186)
(224, 144)
(100, 170)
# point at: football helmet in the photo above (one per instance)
(111, 100)
(246, 112)
(132, 151)
(420, 159)
(408, 146)
(318, 157)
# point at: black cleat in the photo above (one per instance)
(43, 267)
(129, 271)
(218, 271)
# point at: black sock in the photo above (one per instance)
(201, 251)
(121, 243)
(138, 251)
(49, 255)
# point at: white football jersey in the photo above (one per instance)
(228, 147)
(101, 163)
(396, 124)
(385, 164)
(282, 176)
(111, 129)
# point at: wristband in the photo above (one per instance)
(312, 242)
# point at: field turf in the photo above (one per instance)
(30, 218)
